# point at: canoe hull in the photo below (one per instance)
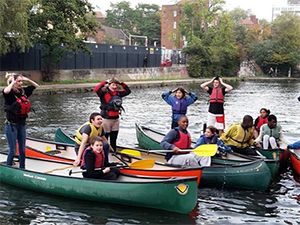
(145, 141)
(295, 161)
(66, 156)
(150, 139)
(163, 195)
(242, 176)
(231, 174)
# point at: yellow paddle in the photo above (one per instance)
(202, 150)
(131, 152)
(140, 164)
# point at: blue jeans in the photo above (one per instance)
(14, 133)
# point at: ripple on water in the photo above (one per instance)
(279, 205)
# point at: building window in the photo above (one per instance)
(174, 13)
(174, 25)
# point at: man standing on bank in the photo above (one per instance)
(17, 107)
(216, 101)
(111, 93)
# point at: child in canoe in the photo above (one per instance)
(178, 139)
(211, 136)
(94, 160)
(261, 120)
(179, 99)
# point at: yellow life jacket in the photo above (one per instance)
(94, 132)
(237, 136)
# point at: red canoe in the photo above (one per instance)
(295, 160)
(60, 152)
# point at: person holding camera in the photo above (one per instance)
(216, 92)
(17, 106)
(111, 93)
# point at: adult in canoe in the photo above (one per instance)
(239, 136)
(111, 93)
(178, 139)
(17, 106)
(94, 159)
(179, 99)
(216, 101)
(270, 134)
(261, 120)
(86, 133)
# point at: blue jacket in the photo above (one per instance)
(214, 140)
(295, 145)
(179, 106)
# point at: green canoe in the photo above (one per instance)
(150, 139)
(230, 171)
(170, 194)
(61, 136)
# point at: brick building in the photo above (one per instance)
(170, 34)
(105, 34)
(251, 21)
(172, 41)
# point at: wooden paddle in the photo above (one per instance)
(202, 150)
(61, 168)
(141, 164)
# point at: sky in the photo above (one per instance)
(261, 8)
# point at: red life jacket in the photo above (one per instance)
(216, 95)
(99, 159)
(24, 103)
(261, 121)
(184, 141)
(110, 108)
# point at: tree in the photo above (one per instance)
(14, 25)
(143, 20)
(282, 49)
(211, 44)
(121, 16)
(60, 26)
(148, 21)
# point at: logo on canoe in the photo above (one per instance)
(182, 189)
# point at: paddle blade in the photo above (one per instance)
(142, 164)
(206, 150)
(131, 152)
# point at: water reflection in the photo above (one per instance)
(26, 207)
(280, 205)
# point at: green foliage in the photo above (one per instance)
(143, 20)
(282, 49)
(211, 46)
(61, 26)
(14, 25)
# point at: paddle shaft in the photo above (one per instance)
(82, 171)
(182, 150)
(61, 168)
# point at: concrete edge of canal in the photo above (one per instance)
(88, 87)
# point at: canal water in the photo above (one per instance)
(279, 205)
